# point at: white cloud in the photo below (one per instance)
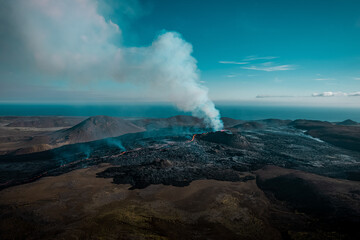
(356, 78)
(328, 94)
(233, 62)
(264, 66)
(324, 79)
(271, 68)
(322, 94)
(277, 80)
(273, 96)
(336, 94)
(254, 57)
(354, 94)
(231, 76)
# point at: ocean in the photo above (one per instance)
(161, 111)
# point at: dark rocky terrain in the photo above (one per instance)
(308, 179)
(343, 135)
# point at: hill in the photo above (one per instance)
(91, 129)
(348, 122)
(94, 128)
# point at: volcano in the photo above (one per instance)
(225, 137)
(94, 128)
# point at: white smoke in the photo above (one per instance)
(71, 38)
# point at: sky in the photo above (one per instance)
(241, 52)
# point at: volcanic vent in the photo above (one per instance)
(225, 137)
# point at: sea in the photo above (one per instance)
(244, 112)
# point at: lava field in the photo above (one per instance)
(174, 157)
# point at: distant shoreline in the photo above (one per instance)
(334, 114)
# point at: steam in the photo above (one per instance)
(71, 39)
(115, 142)
(169, 66)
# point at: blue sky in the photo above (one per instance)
(320, 40)
(262, 52)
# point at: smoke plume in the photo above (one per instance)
(71, 39)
